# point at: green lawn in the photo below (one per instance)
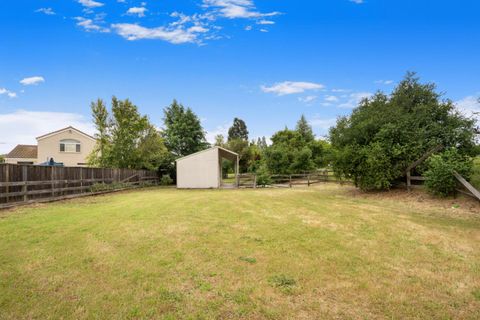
(316, 253)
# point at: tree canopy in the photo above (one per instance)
(238, 130)
(295, 151)
(183, 132)
(125, 139)
(386, 133)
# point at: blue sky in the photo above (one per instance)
(264, 61)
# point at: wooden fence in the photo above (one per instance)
(250, 180)
(20, 184)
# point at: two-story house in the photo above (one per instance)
(69, 146)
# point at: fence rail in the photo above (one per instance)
(20, 184)
(250, 180)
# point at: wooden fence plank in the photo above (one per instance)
(467, 185)
(29, 183)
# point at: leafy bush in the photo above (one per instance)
(166, 180)
(263, 176)
(386, 133)
(440, 179)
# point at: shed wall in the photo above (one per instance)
(199, 171)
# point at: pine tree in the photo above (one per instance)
(304, 129)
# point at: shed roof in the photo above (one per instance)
(222, 150)
(23, 151)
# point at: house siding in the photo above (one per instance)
(49, 147)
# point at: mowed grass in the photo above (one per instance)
(316, 253)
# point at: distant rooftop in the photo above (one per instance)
(23, 151)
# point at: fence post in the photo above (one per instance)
(52, 178)
(409, 181)
(308, 180)
(254, 181)
(81, 180)
(24, 188)
(7, 180)
(290, 181)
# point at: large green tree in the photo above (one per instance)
(304, 129)
(238, 130)
(295, 151)
(125, 139)
(99, 157)
(183, 132)
(385, 134)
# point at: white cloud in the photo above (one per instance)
(307, 99)
(385, 82)
(331, 98)
(248, 28)
(223, 130)
(32, 81)
(90, 3)
(9, 93)
(21, 126)
(470, 106)
(47, 11)
(266, 22)
(89, 25)
(291, 87)
(175, 35)
(234, 9)
(354, 99)
(357, 1)
(138, 11)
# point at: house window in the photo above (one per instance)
(70, 146)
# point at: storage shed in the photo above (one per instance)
(203, 170)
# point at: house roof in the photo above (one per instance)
(23, 151)
(65, 129)
(209, 149)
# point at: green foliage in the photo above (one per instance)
(238, 131)
(296, 151)
(166, 180)
(440, 178)
(2, 158)
(219, 140)
(263, 176)
(385, 134)
(183, 131)
(304, 129)
(262, 144)
(101, 187)
(125, 139)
